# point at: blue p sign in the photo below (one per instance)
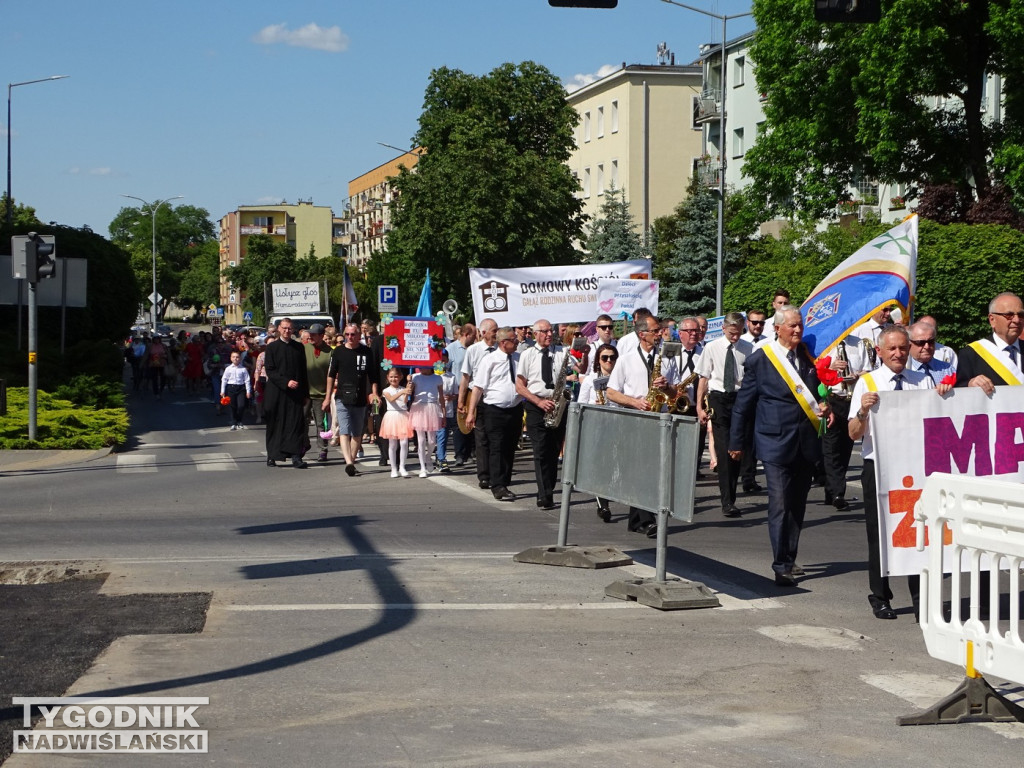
(387, 298)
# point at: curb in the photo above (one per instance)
(26, 461)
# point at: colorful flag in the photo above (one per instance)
(423, 309)
(879, 274)
(351, 304)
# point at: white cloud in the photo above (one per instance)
(100, 171)
(313, 36)
(578, 81)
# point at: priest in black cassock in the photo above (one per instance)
(285, 397)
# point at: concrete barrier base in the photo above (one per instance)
(669, 595)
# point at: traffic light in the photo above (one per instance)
(583, 3)
(848, 11)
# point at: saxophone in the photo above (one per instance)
(681, 402)
(841, 355)
(562, 395)
(656, 398)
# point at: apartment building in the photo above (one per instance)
(306, 227)
(366, 219)
(638, 132)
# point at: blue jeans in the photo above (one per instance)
(442, 437)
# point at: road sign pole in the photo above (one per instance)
(33, 380)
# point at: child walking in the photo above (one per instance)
(426, 415)
(450, 389)
(236, 384)
(394, 426)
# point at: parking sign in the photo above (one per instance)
(387, 298)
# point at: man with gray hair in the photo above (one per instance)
(488, 330)
(721, 372)
(923, 353)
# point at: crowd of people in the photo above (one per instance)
(755, 390)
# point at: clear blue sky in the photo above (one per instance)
(251, 102)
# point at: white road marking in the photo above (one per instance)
(190, 445)
(479, 494)
(136, 462)
(214, 462)
(615, 605)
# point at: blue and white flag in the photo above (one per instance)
(880, 274)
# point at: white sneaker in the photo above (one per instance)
(234, 427)
(423, 473)
(241, 426)
(394, 473)
(403, 473)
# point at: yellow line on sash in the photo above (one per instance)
(996, 364)
(770, 354)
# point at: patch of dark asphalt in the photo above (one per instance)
(51, 633)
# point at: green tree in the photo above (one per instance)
(612, 235)
(21, 215)
(492, 187)
(200, 284)
(849, 101)
(266, 261)
(180, 233)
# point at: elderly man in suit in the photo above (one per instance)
(995, 360)
(780, 393)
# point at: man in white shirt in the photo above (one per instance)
(496, 403)
(892, 375)
(755, 334)
(721, 371)
(628, 386)
(488, 329)
(538, 371)
(630, 341)
(870, 331)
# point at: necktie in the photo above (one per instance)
(729, 374)
(689, 360)
(546, 371)
(927, 369)
(511, 371)
(898, 379)
(1013, 353)
(791, 356)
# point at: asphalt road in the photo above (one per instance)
(376, 622)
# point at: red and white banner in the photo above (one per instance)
(918, 433)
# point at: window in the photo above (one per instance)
(737, 143)
(615, 116)
(695, 111)
(263, 221)
(586, 126)
(615, 174)
(600, 122)
(586, 182)
(600, 178)
(739, 66)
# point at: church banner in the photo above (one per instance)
(412, 341)
(918, 433)
(564, 294)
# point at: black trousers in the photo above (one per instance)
(837, 447)
(502, 427)
(239, 402)
(483, 453)
(788, 485)
(878, 583)
(547, 444)
(728, 468)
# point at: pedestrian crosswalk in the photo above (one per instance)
(129, 463)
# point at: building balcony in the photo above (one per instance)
(709, 105)
(708, 175)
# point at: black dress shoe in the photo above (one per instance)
(840, 503)
(797, 570)
(605, 514)
(484, 484)
(752, 488)
(271, 463)
(731, 510)
(350, 470)
(504, 494)
(785, 579)
(382, 462)
(298, 463)
(881, 608)
(545, 503)
(652, 531)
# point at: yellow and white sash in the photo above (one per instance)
(991, 354)
(804, 397)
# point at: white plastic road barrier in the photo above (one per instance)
(983, 520)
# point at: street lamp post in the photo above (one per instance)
(10, 87)
(721, 147)
(154, 207)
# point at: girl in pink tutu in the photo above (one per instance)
(394, 426)
(426, 414)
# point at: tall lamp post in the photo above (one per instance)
(154, 207)
(10, 87)
(721, 147)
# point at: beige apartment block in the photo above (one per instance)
(306, 227)
(367, 214)
(637, 132)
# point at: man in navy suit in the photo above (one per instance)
(779, 393)
(975, 367)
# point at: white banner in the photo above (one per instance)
(296, 298)
(615, 296)
(559, 294)
(918, 433)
